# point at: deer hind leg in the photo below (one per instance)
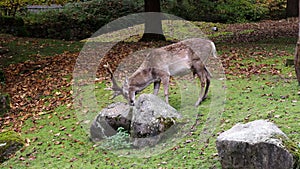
(204, 81)
(207, 77)
(201, 94)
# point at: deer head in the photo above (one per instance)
(115, 87)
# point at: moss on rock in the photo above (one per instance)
(10, 142)
(294, 149)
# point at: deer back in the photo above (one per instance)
(172, 60)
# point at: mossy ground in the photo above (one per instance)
(57, 139)
(10, 142)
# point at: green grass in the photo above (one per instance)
(23, 49)
(57, 140)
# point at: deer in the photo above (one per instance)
(160, 64)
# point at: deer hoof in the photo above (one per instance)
(198, 103)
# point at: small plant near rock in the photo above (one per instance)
(118, 141)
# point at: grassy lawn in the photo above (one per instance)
(57, 140)
(23, 49)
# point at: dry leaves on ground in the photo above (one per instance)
(40, 86)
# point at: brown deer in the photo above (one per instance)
(162, 63)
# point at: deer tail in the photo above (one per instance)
(213, 50)
(209, 75)
(207, 84)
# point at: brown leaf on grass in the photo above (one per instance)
(57, 142)
(252, 32)
(73, 159)
(31, 84)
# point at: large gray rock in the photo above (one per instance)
(255, 145)
(109, 120)
(146, 121)
(151, 117)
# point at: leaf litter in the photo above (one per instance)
(38, 87)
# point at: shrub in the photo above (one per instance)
(78, 20)
(11, 7)
(191, 10)
(240, 11)
(277, 8)
(12, 25)
(226, 11)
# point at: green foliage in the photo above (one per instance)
(11, 7)
(49, 2)
(276, 8)
(226, 11)
(118, 141)
(15, 21)
(191, 10)
(81, 19)
(240, 11)
(74, 21)
(78, 20)
(12, 25)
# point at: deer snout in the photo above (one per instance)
(131, 103)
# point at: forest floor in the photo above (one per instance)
(38, 78)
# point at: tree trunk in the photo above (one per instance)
(297, 62)
(292, 9)
(153, 27)
(297, 55)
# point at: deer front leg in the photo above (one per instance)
(165, 82)
(131, 97)
(156, 87)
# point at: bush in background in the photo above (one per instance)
(12, 7)
(226, 11)
(12, 25)
(240, 11)
(276, 9)
(78, 20)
